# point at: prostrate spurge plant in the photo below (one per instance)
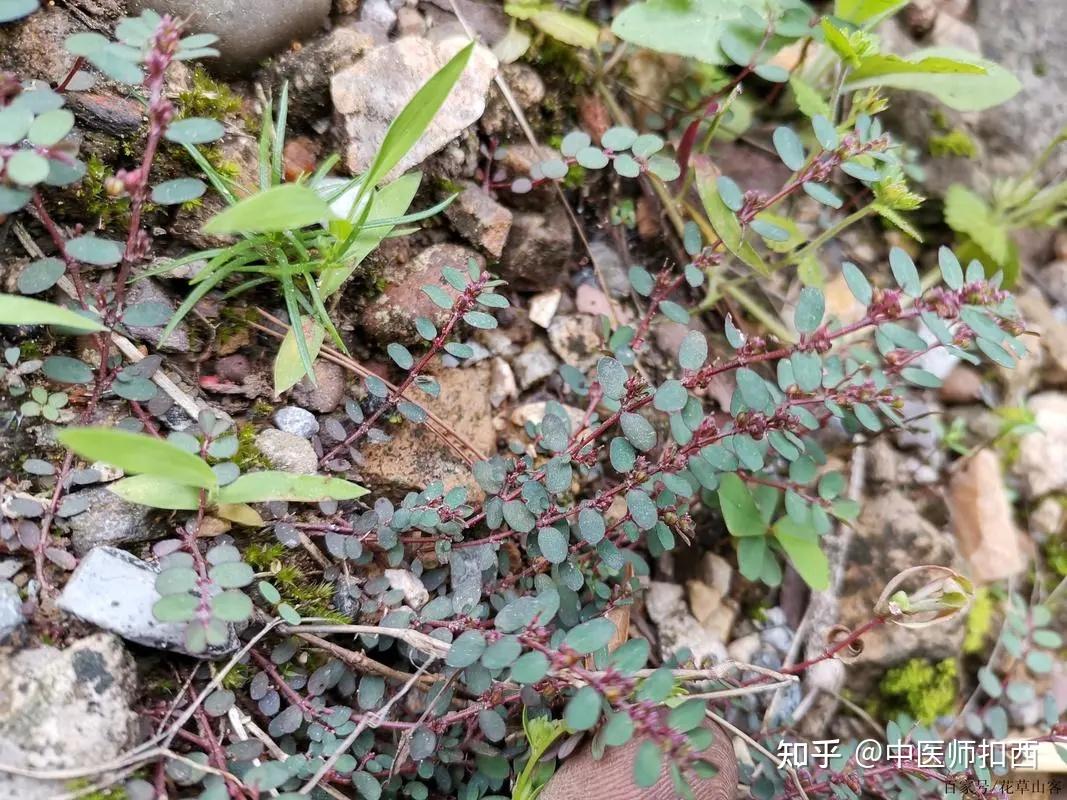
(477, 611)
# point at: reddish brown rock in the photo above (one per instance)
(390, 317)
(480, 219)
(415, 455)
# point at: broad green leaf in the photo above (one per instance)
(691, 28)
(958, 90)
(881, 64)
(15, 310)
(389, 202)
(725, 223)
(969, 214)
(568, 28)
(156, 492)
(139, 454)
(288, 367)
(738, 507)
(866, 13)
(280, 208)
(261, 487)
(15, 9)
(410, 123)
(801, 544)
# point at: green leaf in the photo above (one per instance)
(529, 668)
(739, 509)
(866, 12)
(647, 764)
(387, 203)
(583, 710)
(857, 283)
(638, 431)
(139, 454)
(179, 190)
(962, 91)
(14, 125)
(280, 208)
(15, 310)
(288, 366)
(951, 271)
(693, 351)
(904, 272)
(687, 716)
(611, 375)
(41, 275)
(588, 637)
(691, 28)
(801, 544)
(671, 396)
(232, 605)
(726, 225)
(552, 544)
(619, 729)
(16, 9)
(50, 128)
(67, 370)
(789, 148)
(967, 213)
(194, 130)
(466, 649)
(412, 122)
(156, 492)
(262, 487)
(566, 27)
(93, 250)
(232, 575)
(811, 306)
(176, 608)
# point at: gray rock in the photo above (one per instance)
(296, 421)
(115, 590)
(533, 364)
(576, 339)
(890, 536)
(1029, 39)
(326, 393)
(369, 95)
(377, 18)
(248, 30)
(539, 246)
(10, 609)
(310, 68)
(287, 451)
(923, 432)
(110, 520)
(33, 47)
(611, 267)
(678, 628)
(64, 709)
(480, 219)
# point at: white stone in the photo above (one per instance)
(115, 590)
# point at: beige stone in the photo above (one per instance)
(982, 519)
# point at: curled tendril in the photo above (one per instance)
(944, 594)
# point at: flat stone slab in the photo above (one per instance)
(116, 591)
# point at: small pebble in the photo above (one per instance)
(296, 421)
